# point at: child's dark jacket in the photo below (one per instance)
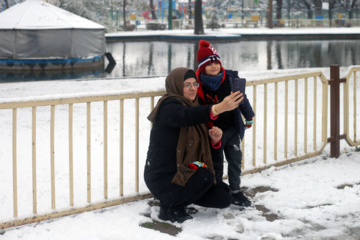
(231, 118)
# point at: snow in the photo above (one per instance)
(308, 203)
(317, 198)
(223, 32)
(36, 14)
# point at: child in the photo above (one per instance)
(215, 85)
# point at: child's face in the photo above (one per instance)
(212, 69)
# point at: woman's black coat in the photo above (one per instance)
(160, 167)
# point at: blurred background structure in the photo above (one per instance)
(125, 15)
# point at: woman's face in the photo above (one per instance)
(190, 88)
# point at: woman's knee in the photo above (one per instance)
(205, 176)
(225, 200)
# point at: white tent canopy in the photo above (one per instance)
(35, 29)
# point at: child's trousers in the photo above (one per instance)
(230, 144)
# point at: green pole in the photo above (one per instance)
(170, 15)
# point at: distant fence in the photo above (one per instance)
(57, 150)
(293, 23)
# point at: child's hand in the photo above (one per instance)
(196, 164)
(215, 134)
(248, 123)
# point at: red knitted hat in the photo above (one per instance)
(206, 54)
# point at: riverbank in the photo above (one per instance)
(238, 34)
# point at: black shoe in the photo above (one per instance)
(240, 199)
(174, 214)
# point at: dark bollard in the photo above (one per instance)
(111, 64)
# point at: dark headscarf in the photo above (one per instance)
(193, 143)
(174, 84)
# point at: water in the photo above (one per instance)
(147, 59)
(136, 59)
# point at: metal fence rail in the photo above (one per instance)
(351, 107)
(70, 102)
(278, 97)
(291, 124)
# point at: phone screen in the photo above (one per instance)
(239, 84)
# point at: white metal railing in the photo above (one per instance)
(32, 108)
(351, 106)
(267, 131)
(291, 124)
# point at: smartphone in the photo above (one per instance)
(239, 84)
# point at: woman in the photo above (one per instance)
(179, 169)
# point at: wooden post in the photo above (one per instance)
(335, 137)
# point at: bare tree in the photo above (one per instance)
(318, 7)
(153, 15)
(190, 10)
(332, 4)
(288, 9)
(124, 15)
(270, 19)
(308, 8)
(6, 4)
(279, 4)
(199, 26)
(170, 16)
(353, 5)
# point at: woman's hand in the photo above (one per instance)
(229, 103)
(215, 134)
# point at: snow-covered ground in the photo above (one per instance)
(223, 32)
(317, 198)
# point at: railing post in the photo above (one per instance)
(334, 83)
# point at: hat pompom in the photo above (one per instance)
(203, 43)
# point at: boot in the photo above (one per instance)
(240, 199)
(174, 214)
